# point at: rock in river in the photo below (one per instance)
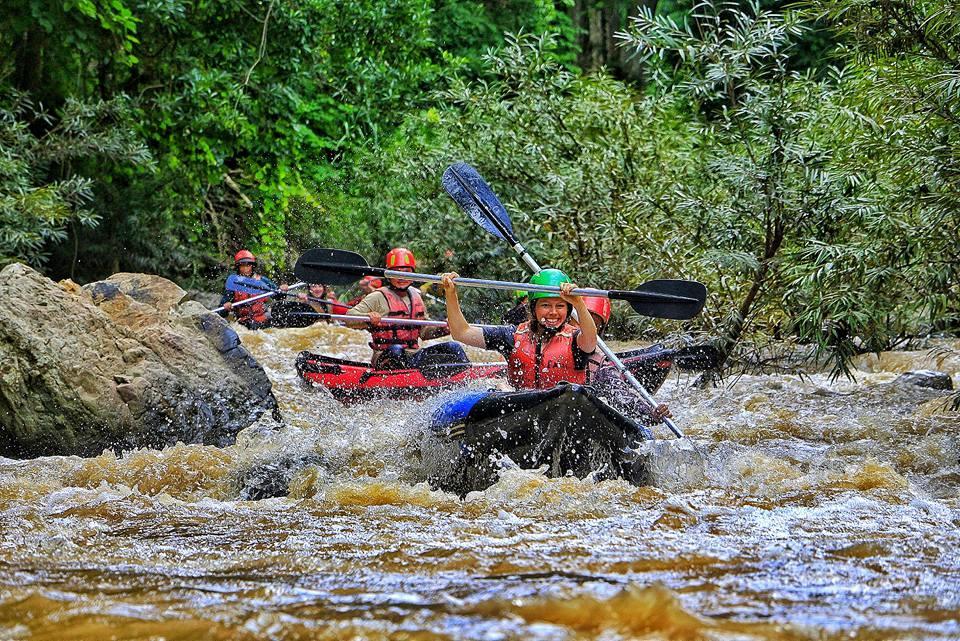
(926, 378)
(120, 364)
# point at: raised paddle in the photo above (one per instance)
(237, 285)
(468, 189)
(676, 299)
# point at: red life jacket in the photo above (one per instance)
(542, 364)
(386, 335)
(256, 311)
(336, 307)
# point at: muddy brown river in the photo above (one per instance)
(797, 509)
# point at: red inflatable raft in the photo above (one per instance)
(352, 381)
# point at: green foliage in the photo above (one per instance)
(817, 203)
(903, 74)
(564, 152)
(769, 188)
(40, 192)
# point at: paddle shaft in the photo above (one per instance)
(254, 299)
(362, 270)
(387, 320)
(532, 264)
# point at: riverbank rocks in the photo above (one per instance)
(120, 364)
(926, 378)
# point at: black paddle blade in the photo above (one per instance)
(332, 266)
(474, 196)
(697, 358)
(673, 299)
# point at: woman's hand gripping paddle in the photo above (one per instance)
(468, 189)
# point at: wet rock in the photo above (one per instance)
(118, 364)
(210, 300)
(272, 479)
(925, 378)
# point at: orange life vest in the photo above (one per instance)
(540, 364)
(386, 335)
(256, 311)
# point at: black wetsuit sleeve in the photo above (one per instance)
(580, 357)
(499, 338)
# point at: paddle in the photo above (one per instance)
(676, 299)
(387, 320)
(468, 189)
(246, 285)
(697, 358)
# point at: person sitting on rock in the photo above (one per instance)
(543, 351)
(398, 346)
(252, 315)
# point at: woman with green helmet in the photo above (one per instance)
(541, 352)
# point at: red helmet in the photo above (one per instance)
(372, 281)
(244, 256)
(400, 257)
(599, 306)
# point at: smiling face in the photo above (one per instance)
(550, 312)
(401, 283)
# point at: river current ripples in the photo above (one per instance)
(797, 509)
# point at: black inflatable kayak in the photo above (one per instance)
(568, 429)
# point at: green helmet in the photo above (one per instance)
(519, 295)
(551, 277)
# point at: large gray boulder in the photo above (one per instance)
(119, 364)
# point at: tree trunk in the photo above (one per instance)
(28, 61)
(772, 243)
(599, 22)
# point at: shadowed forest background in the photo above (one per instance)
(800, 159)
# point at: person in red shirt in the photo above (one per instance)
(323, 299)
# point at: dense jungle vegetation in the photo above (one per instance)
(800, 159)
